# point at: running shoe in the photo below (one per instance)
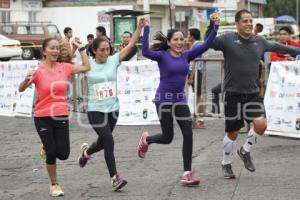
(117, 182)
(143, 146)
(247, 159)
(227, 171)
(43, 154)
(56, 191)
(189, 179)
(83, 158)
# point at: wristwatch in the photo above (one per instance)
(81, 49)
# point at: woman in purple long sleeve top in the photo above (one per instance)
(170, 99)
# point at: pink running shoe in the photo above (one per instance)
(189, 179)
(117, 182)
(143, 146)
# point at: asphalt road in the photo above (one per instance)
(23, 175)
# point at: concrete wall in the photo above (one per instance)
(227, 8)
(17, 11)
(83, 20)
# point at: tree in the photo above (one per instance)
(275, 8)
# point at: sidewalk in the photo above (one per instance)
(23, 175)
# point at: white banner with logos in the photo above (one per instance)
(13, 103)
(137, 84)
(282, 99)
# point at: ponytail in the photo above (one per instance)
(162, 43)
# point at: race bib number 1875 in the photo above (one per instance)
(105, 90)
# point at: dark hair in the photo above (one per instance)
(238, 15)
(45, 44)
(287, 29)
(102, 30)
(90, 36)
(162, 43)
(259, 27)
(94, 46)
(67, 29)
(127, 33)
(195, 33)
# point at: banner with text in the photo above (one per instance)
(282, 99)
(13, 103)
(137, 83)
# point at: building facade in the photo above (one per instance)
(228, 8)
(20, 10)
(85, 15)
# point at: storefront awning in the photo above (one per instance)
(259, 1)
(128, 12)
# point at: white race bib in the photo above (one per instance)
(105, 90)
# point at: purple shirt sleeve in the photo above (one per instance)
(200, 49)
(154, 55)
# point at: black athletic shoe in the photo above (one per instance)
(227, 171)
(247, 159)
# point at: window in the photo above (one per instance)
(32, 16)
(36, 30)
(4, 16)
(7, 30)
(23, 30)
(52, 29)
(254, 10)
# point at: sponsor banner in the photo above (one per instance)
(282, 99)
(137, 84)
(13, 103)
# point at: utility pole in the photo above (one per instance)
(170, 11)
(297, 11)
(146, 5)
(249, 5)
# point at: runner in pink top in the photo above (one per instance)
(51, 85)
(51, 109)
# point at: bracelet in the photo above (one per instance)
(81, 49)
(27, 79)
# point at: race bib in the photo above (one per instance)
(105, 90)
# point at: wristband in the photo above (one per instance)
(81, 49)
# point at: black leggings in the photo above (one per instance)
(54, 134)
(215, 100)
(182, 115)
(104, 124)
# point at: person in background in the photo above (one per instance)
(194, 39)
(90, 39)
(101, 31)
(216, 91)
(126, 37)
(258, 28)
(285, 39)
(67, 50)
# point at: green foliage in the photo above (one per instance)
(275, 8)
(226, 23)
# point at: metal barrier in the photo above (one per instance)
(78, 95)
(264, 73)
(204, 88)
